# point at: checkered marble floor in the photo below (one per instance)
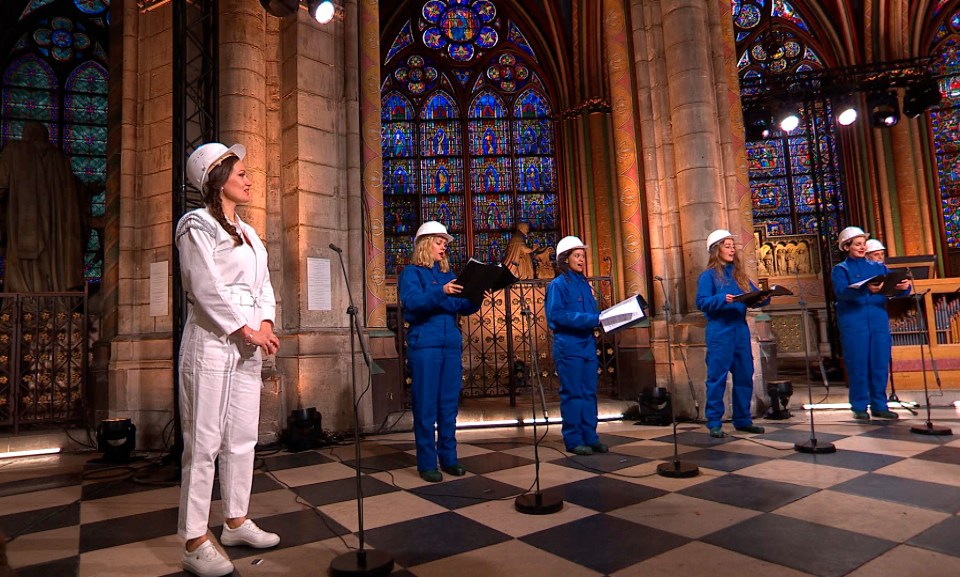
(886, 503)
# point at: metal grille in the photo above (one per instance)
(43, 358)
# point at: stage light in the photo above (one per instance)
(845, 110)
(280, 8)
(921, 96)
(779, 393)
(116, 439)
(322, 11)
(757, 123)
(884, 109)
(787, 118)
(654, 403)
(304, 430)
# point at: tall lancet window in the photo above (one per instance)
(467, 133)
(945, 121)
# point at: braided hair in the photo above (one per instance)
(217, 177)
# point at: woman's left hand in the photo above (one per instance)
(904, 284)
(273, 342)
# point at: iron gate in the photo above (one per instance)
(43, 357)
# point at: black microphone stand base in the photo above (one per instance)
(678, 470)
(814, 447)
(538, 504)
(365, 562)
(930, 429)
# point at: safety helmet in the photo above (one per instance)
(848, 234)
(206, 157)
(716, 236)
(569, 243)
(431, 228)
(873, 245)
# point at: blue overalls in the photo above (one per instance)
(572, 315)
(434, 349)
(728, 346)
(864, 333)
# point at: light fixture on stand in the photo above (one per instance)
(884, 109)
(116, 439)
(779, 393)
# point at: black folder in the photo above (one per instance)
(478, 277)
(888, 281)
(753, 297)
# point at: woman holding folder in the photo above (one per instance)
(728, 336)
(429, 295)
(864, 325)
(572, 315)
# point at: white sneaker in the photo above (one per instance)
(248, 534)
(206, 561)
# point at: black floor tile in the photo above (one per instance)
(695, 439)
(748, 492)
(123, 530)
(950, 455)
(262, 483)
(465, 492)
(385, 462)
(419, 541)
(292, 460)
(39, 484)
(69, 567)
(40, 520)
(943, 537)
(856, 460)
(296, 528)
(815, 549)
(604, 494)
(503, 444)
(796, 436)
(600, 462)
(328, 492)
(490, 462)
(943, 498)
(613, 441)
(603, 543)
(721, 460)
(901, 432)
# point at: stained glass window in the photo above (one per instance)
(795, 179)
(945, 121)
(56, 73)
(473, 147)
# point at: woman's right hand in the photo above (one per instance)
(255, 338)
(452, 288)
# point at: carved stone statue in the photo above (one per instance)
(518, 258)
(544, 267)
(40, 201)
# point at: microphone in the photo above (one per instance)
(335, 248)
(657, 277)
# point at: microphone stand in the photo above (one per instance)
(537, 503)
(676, 469)
(362, 562)
(812, 446)
(893, 398)
(927, 428)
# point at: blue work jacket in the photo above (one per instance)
(432, 314)
(712, 292)
(572, 315)
(859, 305)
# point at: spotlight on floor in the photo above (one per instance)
(304, 430)
(116, 439)
(280, 8)
(884, 109)
(654, 404)
(919, 97)
(779, 393)
(322, 11)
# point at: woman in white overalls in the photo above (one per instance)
(229, 328)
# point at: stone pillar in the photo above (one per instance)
(913, 207)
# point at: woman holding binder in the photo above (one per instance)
(572, 315)
(429, 295)
(864, 325)
(728, 336)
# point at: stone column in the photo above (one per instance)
(913, 208)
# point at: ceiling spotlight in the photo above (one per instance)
(322, 11)
(884, 109)
(921, 96)
(757, 123)
(788, 119)
(845, 110)
(280, 8)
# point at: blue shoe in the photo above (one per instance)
(888, 414)
(455, 470)
(861, 416)
(581, 450)
(431, 476)
(757, 429)
(600, 448)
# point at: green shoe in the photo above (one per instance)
(455, 470)
(431, 476)
(717, 433)
(861, 416)
(888, 414)
(600, 448)
(750, 429)
(581, 450)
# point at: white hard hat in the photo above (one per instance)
(430, 228)
(568, 243)
(206, 157)
(716, 236)
(873, 245)
(848, 234)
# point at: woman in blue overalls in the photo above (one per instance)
(728, 336)
(864, 326)
(572, 315)
(428, 292)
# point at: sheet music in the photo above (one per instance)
(622, 314)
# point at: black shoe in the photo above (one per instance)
(750, 429)
(717, 433)
(431, 476)
(581, 450)
(600, 448)
(888, 414)
(861, 416)
(455, 470)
